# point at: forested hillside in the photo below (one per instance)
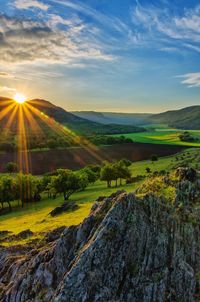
(186, 118)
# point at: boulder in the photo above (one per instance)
(67, 206)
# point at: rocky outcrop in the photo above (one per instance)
(67, 206)
(129, 249)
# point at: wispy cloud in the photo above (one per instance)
(193, 47)
(191, 79)
(169, 49)
(26, 4)
(7, 89)
(163, 25)
(107, 23)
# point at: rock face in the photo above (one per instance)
(129, 249)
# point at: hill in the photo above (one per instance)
(81, 125)
(93, 116)
(131, 247)
(41, 123)
(187, 118)
(136, 119)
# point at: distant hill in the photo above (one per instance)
(94, 116)
(80, 124)
(187, 118)
(136, 119)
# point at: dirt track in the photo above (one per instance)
(76, 158)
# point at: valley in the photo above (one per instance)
(186, 118)
(60, 172)
(99, 151)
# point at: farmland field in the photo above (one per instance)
(76, 158)
(161, 134)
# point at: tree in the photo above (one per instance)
(107, 174)
(68, 182)
(28, 187)
(83, 180)
(126, 162)
(92, 176)
(12, 167)
(46, 184)
(122, 171)
(96, 169)
(8, 191)
(114, 171)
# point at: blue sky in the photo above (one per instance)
(116, 55)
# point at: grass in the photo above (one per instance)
(161, 134)
(36, 216)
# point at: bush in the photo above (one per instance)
(186, 137)
(154, 157)
(12, 167)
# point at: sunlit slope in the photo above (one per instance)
(46, 109)
(164, 136)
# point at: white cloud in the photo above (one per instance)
(191, 79)
(26, 4)
(26, 41)
(163, 25)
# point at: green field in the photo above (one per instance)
(35, 216)
(161, 134)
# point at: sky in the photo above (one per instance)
(102, 55)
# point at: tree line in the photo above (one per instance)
(26, 188)
(60, 141)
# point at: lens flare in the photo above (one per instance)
(29, 122)
(20, 98)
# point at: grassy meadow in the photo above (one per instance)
(162, 134)
(36, 216)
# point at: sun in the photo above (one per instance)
(19, 98)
